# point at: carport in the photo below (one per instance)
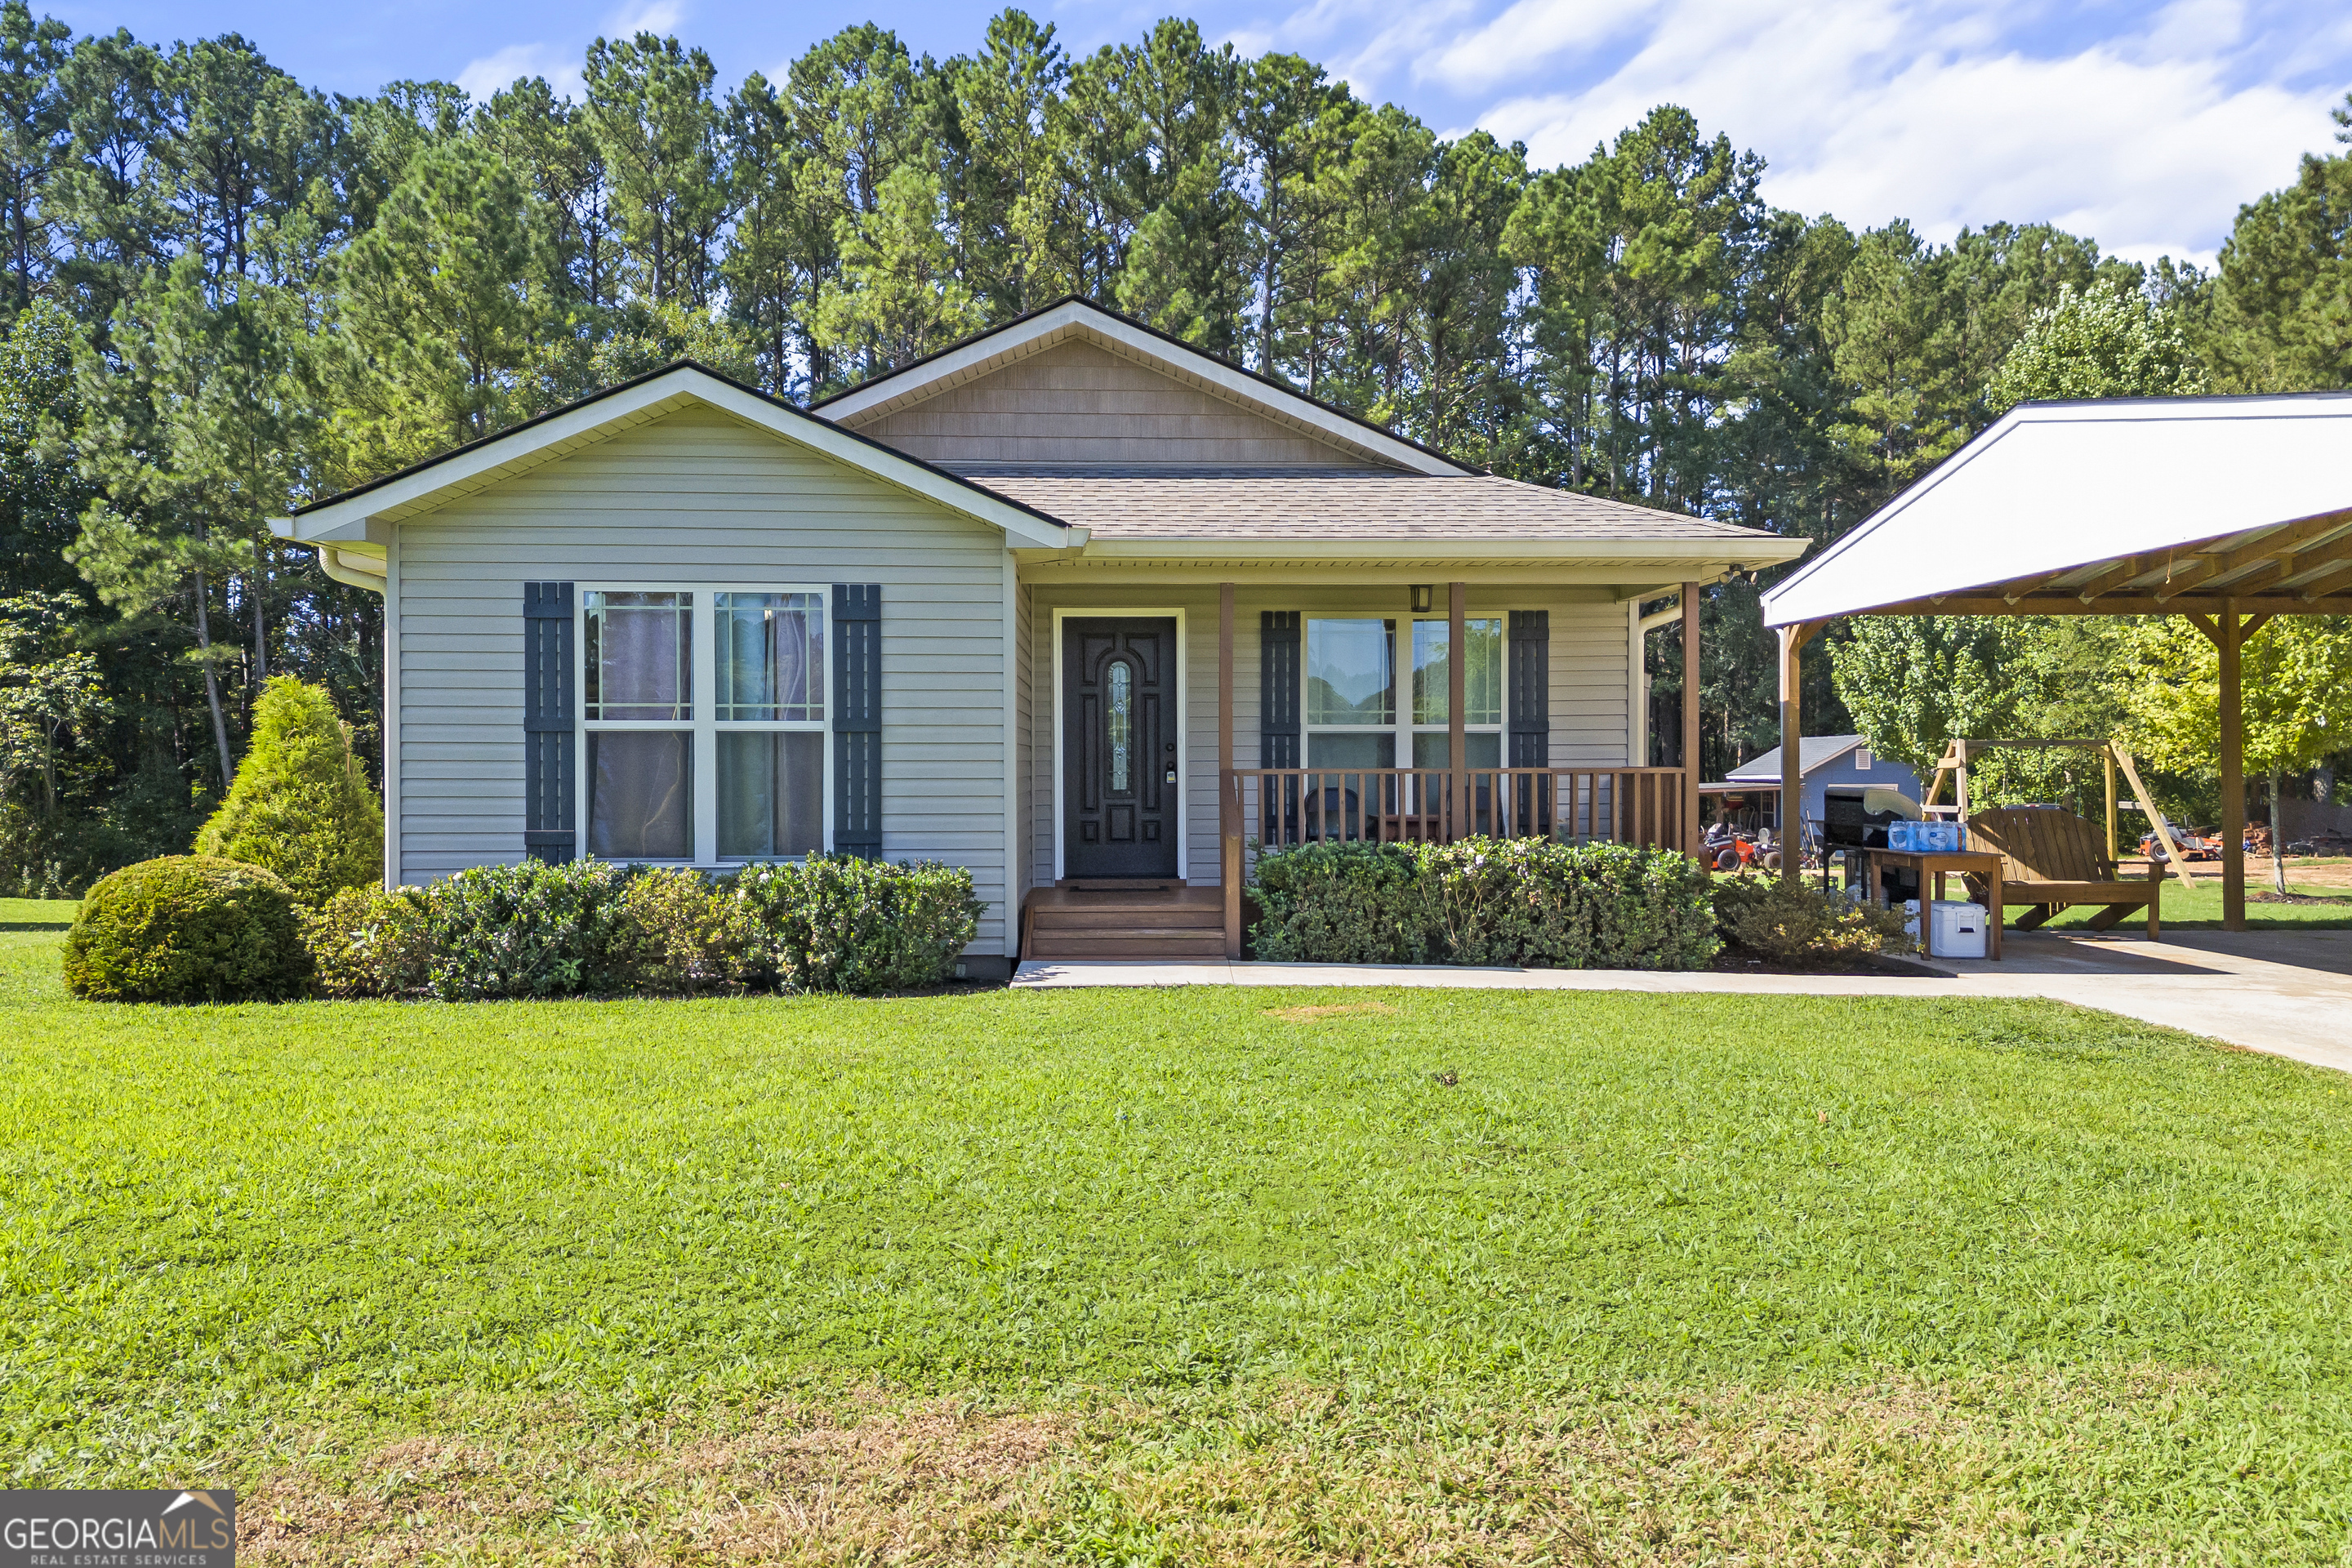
(2227, 511)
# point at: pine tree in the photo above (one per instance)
(300, 806)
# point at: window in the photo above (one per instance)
(740, 775)
(1862, 759)
(1353, 717)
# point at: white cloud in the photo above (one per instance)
(495, 73)
(660, 17)
(2143, 132)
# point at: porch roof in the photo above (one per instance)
(1270, 508)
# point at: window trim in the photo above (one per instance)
(1401, 725)
(704, 724)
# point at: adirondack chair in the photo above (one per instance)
(2052, 859)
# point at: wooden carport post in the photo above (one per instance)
(1228, 806)
(1689, 844)
(2233, 773)
(1793, 639)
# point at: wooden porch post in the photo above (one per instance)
(1457, 742)
(1229, 815)
(1689, 844)
(2233, 773)
(1792, 728)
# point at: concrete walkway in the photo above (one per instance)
(2289, 994)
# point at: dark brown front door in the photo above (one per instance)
(1119, 793)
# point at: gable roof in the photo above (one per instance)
(2119, 506)
(990, 351)
(1813, 753)
(343, 518)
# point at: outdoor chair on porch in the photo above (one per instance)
(2053, 859)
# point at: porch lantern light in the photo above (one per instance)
(1424, 594)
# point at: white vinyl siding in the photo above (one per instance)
(700, 496)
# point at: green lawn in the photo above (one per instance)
(2200, 907)
(1182, 1277)
(36, 914)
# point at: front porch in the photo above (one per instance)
(1192, 905)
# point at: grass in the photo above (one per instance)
(2199, 907)
(1190, 1276)
(36, 914)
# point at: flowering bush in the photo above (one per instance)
(1485, 900)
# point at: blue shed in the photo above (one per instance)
(1827, 760)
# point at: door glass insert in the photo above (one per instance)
(1122, 724)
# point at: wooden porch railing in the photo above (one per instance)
(1279, 807)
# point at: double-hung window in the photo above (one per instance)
(704, 724)
(1353, 714)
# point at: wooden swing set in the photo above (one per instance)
(1958, 753)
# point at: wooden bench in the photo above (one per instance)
(2053, 859)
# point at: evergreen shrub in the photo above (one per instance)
(592, 928)
(1529, 901)
(372, 941)
(834, 923)
(188, 927)
(301, 804)
(1794, 921)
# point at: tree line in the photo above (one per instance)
(232, 294)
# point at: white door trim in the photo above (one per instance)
(1183, 740)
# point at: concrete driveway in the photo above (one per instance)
(2287, 993)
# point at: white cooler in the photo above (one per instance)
(1956, 930)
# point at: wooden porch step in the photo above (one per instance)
(1126, 922)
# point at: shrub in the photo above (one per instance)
(188, 927)
(1786, 921)
(529, 930)
(835, 923)
(368, 941)
(678, 934)
(1485, 900)
(300, 806)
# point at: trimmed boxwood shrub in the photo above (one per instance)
(186, 928)
(833, 922)
(1485, 900)
(592, 928)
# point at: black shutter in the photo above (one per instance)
(1530, 678)
(549, 742)
(1277, 689)
(858, 720)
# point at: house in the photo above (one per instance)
(1824, 760)
(1070, 605)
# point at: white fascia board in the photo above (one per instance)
(2051, 487)
(348, 521)
(1072, 316)
(1734, 553)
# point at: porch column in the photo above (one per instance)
(2233, 773)
(1689, 844)
(1792, 728)
(1457, 741)
(1229, 815)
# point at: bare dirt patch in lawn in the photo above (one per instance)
(1331, 1010)
(1981, 1469)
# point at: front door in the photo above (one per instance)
(1119, 793)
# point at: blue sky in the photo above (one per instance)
(2143, 126)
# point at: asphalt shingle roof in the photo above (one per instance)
(1270, 504)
